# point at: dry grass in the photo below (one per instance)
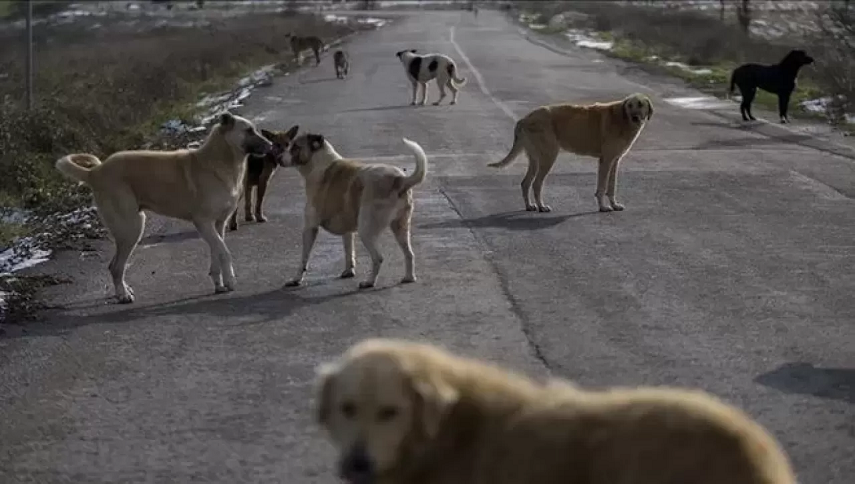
(105, 91)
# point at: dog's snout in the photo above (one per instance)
(357, 467)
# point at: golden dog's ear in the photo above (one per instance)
(326, 374)
(649, 108)
(434, 398)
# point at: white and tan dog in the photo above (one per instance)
(401, 412)
(199, 185)
(421, 69)
(346, 197)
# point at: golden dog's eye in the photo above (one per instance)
(348, 409)
(387, 413)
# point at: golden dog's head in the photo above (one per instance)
(378, 406)
(637, 108)
(281, 143)
(242, 135)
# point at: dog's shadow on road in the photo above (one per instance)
(169, 238)
(516, 220)
(223, 310)
(806, 379)
(378, 108)
(320, 79)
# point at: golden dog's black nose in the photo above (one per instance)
(356, 467)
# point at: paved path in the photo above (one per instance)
(730, 270)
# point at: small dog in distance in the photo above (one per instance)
(342, 64)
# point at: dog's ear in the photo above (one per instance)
(270, 135)
(434, 399)
(316, 141)
(292, 133)
(227, 120)
(326, 375)
(649, 107)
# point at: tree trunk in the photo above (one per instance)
(743, 14)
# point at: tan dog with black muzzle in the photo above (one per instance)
(602, 130)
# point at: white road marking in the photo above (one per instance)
(478, 77)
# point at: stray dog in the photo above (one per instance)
(342, 64)
(345, 196)
(199, 185)
(259, 171)
(421, 69)
(400, 412)
(777, 79)
(602, 130)
(299, 44)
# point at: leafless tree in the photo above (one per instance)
(743, 15)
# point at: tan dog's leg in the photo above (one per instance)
(370, 227)
(317, 56)
(221, 268)
(611, 189)
(349, 256)
(126, 225)
(542, 149)
(310, 233)
(401, 228)
(604, 168)
(525, 185)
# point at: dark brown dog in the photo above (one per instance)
(259, 171)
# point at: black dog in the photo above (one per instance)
(777, 79)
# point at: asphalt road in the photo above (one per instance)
(731, 270)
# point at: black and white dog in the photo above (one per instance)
(421, 69)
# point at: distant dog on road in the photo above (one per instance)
(199, 185)
(346, 197)
(259, 171)
(299, 44)
(401, 412)
(342, 64)
(602, 130)
(777, 79)
(421, 69)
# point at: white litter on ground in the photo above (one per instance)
(687, 68)
(699, 102)
(582, 39)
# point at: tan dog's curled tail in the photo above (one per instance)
(516, 149)
(77, 166)
(418, 176)
(452, 72)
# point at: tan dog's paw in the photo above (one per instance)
(606, 208)
(366, 285)
(293, 283)
(260, 218)
(348, 273)
(408, 279)
(221, 289)
(531, 208)
(544, 208)
(617, 206)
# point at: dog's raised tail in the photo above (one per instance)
(516, 149)
(418, 176)
(452, 72)
(78, 166)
